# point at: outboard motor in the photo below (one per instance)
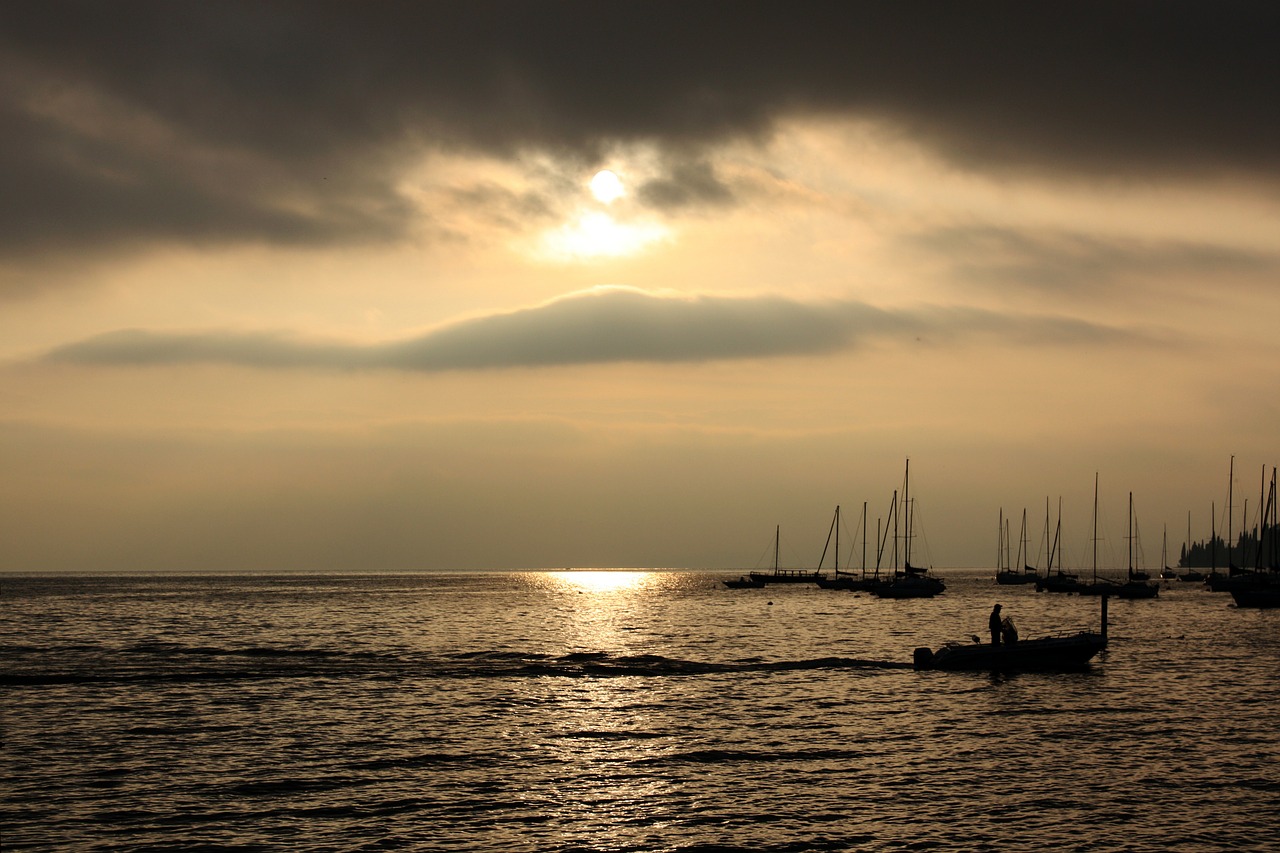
(923, 657)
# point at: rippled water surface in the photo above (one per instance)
(619, 711)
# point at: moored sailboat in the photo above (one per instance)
(1006, 575)
(910, 581)
(1190, 575)
(1135, 584)
(849, 580)
(1166, 573)
(1059, 580)
(781, 575)
(1263, 587)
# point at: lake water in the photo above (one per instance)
(619, 711)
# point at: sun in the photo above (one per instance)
(590, 232)
(607, 187)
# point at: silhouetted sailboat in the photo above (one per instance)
(911, 581)
(848, 580)
(1135, 585)
(1190, 575)
(1006, 575)
(1057, 581)
(1166, 573)
(781, 575)
(1263, 590)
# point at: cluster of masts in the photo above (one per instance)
(900, 578)
(1263, 546)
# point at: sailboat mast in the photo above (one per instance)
(879, 545)
(833, 529)
(1048, 558)
(864, 539)
(1213, 538)
(1000, 542)
(906, 502)
(1095, 526)
(1007, 563)
(1262, 519)
(1275, 530)
(1057, 534)
(895, 531)
(777, 537)
(1023, 556)
(1231, 509)
(1131, 534)
(837, 539)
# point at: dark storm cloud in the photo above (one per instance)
(688, 184)
(289, 121)
(604, 325)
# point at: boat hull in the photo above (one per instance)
(852, 584)
(909, 590)
(1268, 596)
(787, 576)
(744, 583)
(1047, 654)
(1129, 589)
(1060, 583)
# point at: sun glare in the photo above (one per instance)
(595, 234)
(607, 187)
(597, 581)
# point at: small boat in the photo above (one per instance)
(744, 582)
(1061, 653)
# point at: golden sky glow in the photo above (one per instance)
(588, 336)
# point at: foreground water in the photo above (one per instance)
(619, 711)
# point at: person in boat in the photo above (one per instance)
(1008, 632)
(994, 623)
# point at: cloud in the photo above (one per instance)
(1051, 260)
(292, 122)
(602, 325)
(687, 184)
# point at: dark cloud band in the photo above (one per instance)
(604, 325)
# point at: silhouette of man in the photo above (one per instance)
(994, 623)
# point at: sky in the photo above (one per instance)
(347, 286)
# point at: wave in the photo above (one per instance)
(169, 662)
